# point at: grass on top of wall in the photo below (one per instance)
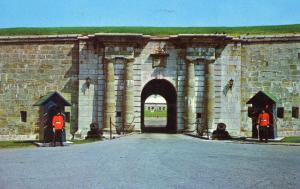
(159, 31)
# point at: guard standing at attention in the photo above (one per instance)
(263, 123)
(58, 123)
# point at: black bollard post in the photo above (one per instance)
(110, 130)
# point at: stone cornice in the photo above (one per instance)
(269, 38)
(135, 39)
(126, 59)
(196, 40)
(39, 38)
(120, 39)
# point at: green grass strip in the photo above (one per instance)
(16, 144)
(159, 31)
(292, 139)
(155, 114)
(23, 144)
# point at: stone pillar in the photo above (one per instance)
(109, 96)
(190, 106)
(128, 108)
(210, 94)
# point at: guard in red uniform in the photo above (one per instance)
(263, 123)
(58, 123)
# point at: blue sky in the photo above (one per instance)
(58, 13)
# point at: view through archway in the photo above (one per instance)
(163, 88)
(155, 111)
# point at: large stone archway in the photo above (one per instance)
(167, 90)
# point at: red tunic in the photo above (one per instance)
(263, 119)
(58, 122)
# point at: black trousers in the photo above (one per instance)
(58, 137)
(263, 133)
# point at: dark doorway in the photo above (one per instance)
(259, 102)
(165, 89)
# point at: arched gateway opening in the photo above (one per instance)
(165, 89)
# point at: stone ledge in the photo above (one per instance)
(106, 135)
(41, 144)
(67, 37)
(200, 35)
(270, 38)
(39, 38)
(119, 34)
(277, 139)
(242, 140)
(17, 137)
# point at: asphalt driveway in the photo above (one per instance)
(152, 161)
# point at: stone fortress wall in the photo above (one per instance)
(119, 66)
(272, 65)
(29, 69)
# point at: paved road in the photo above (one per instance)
(155, 122)
(155, 161)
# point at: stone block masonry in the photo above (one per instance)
(274, 68)
(29, 70)
(119, 66)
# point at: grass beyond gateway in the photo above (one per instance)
(158, 31)
(155, 113)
